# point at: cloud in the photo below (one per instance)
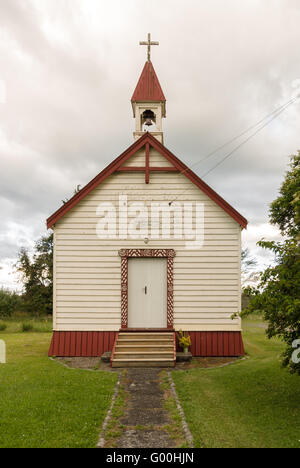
(69, 69)
(8, 277)
(252, 235)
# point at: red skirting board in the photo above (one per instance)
(81, 344)
(216, 343)
(93, 344)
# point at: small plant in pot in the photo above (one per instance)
(184, 341)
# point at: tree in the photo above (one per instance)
(285, 210)
(37, 276)
(277, 296)
(10, 302)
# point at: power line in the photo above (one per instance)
(248, 138)
(274, 114)
(283, 107)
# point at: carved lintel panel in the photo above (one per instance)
(169, 254)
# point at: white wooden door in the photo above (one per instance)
(147, 293)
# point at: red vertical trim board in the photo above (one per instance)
(147, 178)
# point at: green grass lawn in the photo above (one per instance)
(252, 403)
(37, 324)
(42, 403)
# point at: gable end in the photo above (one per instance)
(146, 141)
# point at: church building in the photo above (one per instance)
(144, 250)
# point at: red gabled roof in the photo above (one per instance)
(147, 138)
(148, 87)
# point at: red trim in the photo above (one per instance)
(125, 254)
(95, 343)
(151, 169)
(110, 169)
(77, 343)
(147, 175)
(164, 169)
(216, 343)
(131, 169)
(115, 165)
(113, 350)
(199, 182)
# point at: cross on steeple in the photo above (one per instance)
(149, 43)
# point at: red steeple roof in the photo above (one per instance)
(148, 87)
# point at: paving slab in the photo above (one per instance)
(132, 438)
(145, 417)
(144, 408)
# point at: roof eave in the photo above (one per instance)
(110, 169)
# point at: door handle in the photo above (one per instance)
(145, 289)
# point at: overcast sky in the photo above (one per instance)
(67, 72)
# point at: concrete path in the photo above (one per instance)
(144, 415)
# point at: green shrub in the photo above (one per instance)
(26, 327)
(3, 326)
(10, 302)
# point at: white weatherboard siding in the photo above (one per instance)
(87, 293)
(156, 159)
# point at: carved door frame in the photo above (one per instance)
(125, 254)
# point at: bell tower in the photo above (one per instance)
(148, 100)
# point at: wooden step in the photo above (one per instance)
(146, 347)
(146, 333)
(144, 355)
(144, 341)
(153, 336)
